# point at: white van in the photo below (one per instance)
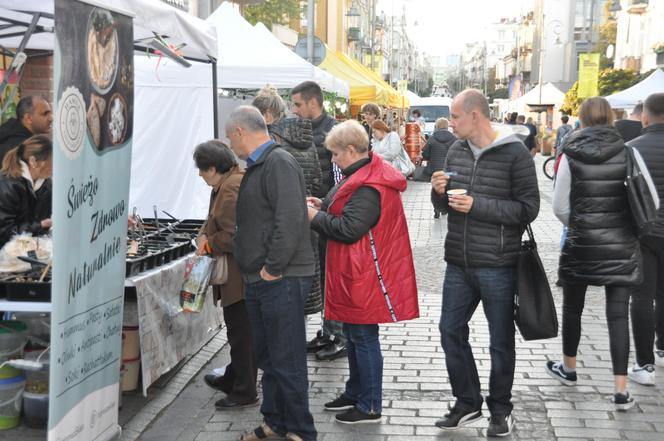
(432, 108)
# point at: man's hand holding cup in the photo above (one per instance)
(439, 181)
(459, 200)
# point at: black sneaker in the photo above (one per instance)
(556, 371)
(500, 425)
(341, 403)
(356, 416)
(458, 417)
(623, 401)
(332, 351)
(317, 343)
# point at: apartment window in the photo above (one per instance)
(501, 35)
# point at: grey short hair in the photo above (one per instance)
(473, 99)
(441, 123)
(247, 117)
(347, 133)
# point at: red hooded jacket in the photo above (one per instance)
(367, 284)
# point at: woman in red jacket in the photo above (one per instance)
(370, 277)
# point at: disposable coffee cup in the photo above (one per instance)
(457, 192)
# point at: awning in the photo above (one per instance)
(365, 85)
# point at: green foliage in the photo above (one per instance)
(273, 12)
(499, 93)
(572, 101)
(607, 36)
(615, 80)
(610, 82)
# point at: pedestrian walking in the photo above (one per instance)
(295, 135)
(219, 169)
(435, 150)
(277, 267)
(631, 127)
(370, 277)
(561, 132)
(601, 247)
(489, 201)
(646, 320)
(330, 342)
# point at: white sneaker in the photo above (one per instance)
(659, 357)
(642, 374)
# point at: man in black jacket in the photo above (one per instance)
(631, 127)
(644, 323)
(277, 267)
(330, 342)
(33, 117)
(489, 201)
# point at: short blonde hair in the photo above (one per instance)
(348, 133)
(596, 111)
(441, 123)
(269, 102)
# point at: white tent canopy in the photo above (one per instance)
(249, 58)
(551, 96)
(149, 16)
(628, 98)
(173, 105)
(326, 80)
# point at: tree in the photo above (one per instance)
(607, 36)
(610, 82)
(499, 93)
(572, 101)
(273, 12)
(615, 80)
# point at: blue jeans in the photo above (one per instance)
(462, 291)
(365, 363)
(276, 312)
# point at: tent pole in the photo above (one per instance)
(215, 102)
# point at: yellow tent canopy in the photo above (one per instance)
(395, 99)
(365, 86)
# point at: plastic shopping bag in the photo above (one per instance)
(196, 280)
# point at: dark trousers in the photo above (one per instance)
(240, 376)
(365, 365)
(646, 318)
(617, 310)
(276, 311)
(462, 291)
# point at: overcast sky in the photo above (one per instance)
(444, 26)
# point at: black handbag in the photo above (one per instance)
(534, 309)
(641, 203)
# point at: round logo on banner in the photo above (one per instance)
(71, 122)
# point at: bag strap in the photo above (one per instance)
(531, 236)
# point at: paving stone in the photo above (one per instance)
(416, 387)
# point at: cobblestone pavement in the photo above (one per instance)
(416, 389)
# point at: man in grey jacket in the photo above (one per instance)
(490, 198)
(277, 267)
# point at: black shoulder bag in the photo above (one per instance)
(534, 310)
(641, 202)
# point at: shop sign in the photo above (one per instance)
(92, 137)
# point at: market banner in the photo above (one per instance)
(588, 75)
(92, 132)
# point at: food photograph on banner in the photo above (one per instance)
(106, 77)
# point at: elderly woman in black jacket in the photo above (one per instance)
(601, 248)
(24, 170)
(295, 135)
(436, 148)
